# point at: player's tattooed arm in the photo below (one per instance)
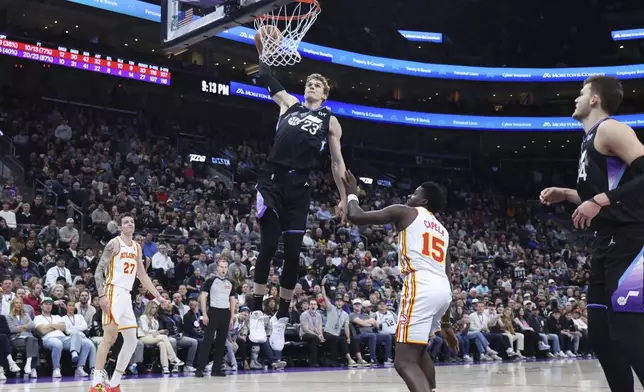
(103, 263)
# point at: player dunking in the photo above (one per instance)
(610, 185)
(304, 131)
(424, 261)
(120, 264)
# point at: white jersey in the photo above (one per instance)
(423, 246)
(122, 270)
(387, 321)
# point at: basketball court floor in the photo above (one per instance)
(560, 375)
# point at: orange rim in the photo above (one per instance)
(315, 9)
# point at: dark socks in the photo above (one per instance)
(284, 307)
(258, 302)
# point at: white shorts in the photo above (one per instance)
(120, 308)
(423, 303)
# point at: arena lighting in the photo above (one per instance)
(152, 12)
(74, 58)
(421, 36)
(434, 120)
(624, 35)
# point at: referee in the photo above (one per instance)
(217, 317)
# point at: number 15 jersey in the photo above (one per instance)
(423, 246)
(301, 138)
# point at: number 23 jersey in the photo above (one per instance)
(423, 246)
(301, 138)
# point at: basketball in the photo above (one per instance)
(270, 33)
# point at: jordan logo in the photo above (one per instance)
(612, 241)
(306, 183)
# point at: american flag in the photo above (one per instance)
(186, 19)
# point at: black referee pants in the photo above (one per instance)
(219, 321)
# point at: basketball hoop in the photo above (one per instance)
(281, 31)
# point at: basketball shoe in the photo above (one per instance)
(257, 330)
(278, 327)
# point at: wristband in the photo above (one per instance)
(352, 197)
(592, 200)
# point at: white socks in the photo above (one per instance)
(116, 379)
(98, 377)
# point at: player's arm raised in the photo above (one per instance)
(145, 279)
(392, 214)
(275, 89)
(337, 161)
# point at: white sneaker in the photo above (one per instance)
(27, 369)
(510, 352)
(520, 356)
(543, 346)
(177, 362)
(56, 373)
(496, 358)
(489, 351)
(485, 357)
(80, 372)
(175, 369)
(208, 368)
(189, 369)
(34, 373)
(256, 365)
(166, 370)
(3, 376)
(278, 365)
(278, 327)
(257, 333)
(14, 368)
(561, 354)
(570, 354)
(550, 355)
(351, 363)
(467, 358)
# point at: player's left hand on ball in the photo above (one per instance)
(584, 214)
(350, 183)
(450, 337)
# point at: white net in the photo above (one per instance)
(282, 30)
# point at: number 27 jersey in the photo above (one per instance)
(301, 138)
(423, 246)
(122, 270)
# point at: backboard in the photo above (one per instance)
(187, 22)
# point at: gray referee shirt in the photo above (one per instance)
(219, 292)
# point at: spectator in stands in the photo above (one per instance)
(6, 359)
(170, 320)
(22, 338)
(505, 323)
(7, 294)
(553, 329)
(336, 330)
(35, 297)
(76, 325)
(239, 335)
(84, 308)
(100, 219)
(8, 215)
(182, 308)
(57, 271)
(49, 234)
(311, 331)
(365, 327)
(68, 234)
(161, 264)
(51, 328)
(151, 334)
(27, 269)
(532, 340)
(478, 326)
